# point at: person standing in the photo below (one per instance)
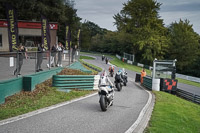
(21, 53)
(54, 49)
(40, 55)
(60, 52)
(143, 74)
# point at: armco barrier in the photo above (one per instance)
(147, 82)
(82, 82)
(88, 65)
(188, 96)
(10, 87)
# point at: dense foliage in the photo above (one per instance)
(140, 31)
(61, 11)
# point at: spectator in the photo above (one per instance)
(54, 50)
(21, 53)
(40, 55)
(60, 52)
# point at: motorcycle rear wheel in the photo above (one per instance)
(119, 87)
(103, 103)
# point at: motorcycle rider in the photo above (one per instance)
(104, 81)
(124, 76)
(106, 60)
(111, 69)
(118, 76)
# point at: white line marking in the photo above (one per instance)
(135, 124)
(20, 117)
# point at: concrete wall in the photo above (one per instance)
(4, 33)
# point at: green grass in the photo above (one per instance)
(86, 57)
(188, 82)
(121, 64)
(91, 65)
(172, 114)
(25, 102)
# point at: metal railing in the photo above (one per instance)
(12, 61)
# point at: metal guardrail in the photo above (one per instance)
(88, 65)
(188, 96)
(14, 64)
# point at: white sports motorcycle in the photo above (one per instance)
(106, 94)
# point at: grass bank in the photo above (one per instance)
(86, 57)
(122, 64)
(172, 114)
(90, 58)
(43, 96)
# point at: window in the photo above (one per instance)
(1, 41)
(30, 41)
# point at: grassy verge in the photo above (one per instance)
(121, 64)
(188, 82)
(86, 57)
(172, 114)
(43, 96)
(90, 65)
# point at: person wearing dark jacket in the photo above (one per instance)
(60, 52)
(40, 55)
(21, 53)
(54, 51)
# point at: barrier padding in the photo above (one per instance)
(30, 81)
(81, 82)
(10, 87)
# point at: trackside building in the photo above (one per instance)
(29, 34)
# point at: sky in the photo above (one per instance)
(101, 12)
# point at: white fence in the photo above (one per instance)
(190, 78)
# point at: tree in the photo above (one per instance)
(184, 45)
(89, 31)
(60, 11)
(140, 22)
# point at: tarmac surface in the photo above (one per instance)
(85, 115)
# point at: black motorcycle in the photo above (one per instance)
(103, 57)
(125, 78)
(106, 60)
(118, 82)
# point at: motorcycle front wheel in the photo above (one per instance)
(103, 103)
